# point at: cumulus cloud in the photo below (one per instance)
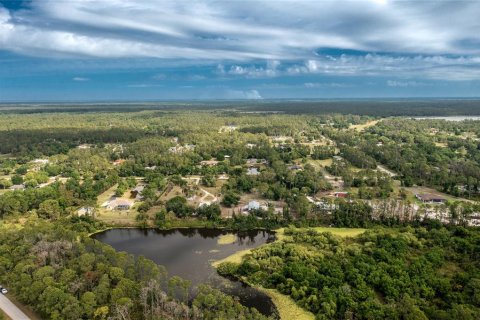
(240, 34)
(159, 76)
(462, 68)
(326, 85)
(403, 84)
(270, 70)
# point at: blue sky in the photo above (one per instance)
(85, 50)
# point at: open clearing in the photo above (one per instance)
(287, 308)
(362, 127)
(234, 258)
(420, 190)
(342, 232)
(318, 164)
(124, 217)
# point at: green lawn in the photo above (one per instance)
(342, 232)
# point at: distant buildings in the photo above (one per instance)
(118, 162)
(209, 163)
(181, 149)
(86, 211)
(252, 171)
(41, 161)
(252, 205)
(295, 167)
(430, 198)
(340, 194)
(255, 161)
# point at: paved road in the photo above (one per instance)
(11, 310)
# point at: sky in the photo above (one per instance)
(129, 50)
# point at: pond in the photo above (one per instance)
(188, 253)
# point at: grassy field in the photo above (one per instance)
(415, 190)
(3, 315)
(362, 127)
(106, 195)
(342, 232)
(234, 258)
(287, 308)
(124, 218)
(318, 164)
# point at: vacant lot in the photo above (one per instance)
(362, 127)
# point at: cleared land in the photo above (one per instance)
(361, 127)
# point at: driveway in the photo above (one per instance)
(11, 310)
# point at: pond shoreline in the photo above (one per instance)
(180, 249)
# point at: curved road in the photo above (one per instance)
(11, 310)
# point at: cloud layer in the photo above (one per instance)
(255, 39)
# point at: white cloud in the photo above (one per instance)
(326, 85)
(80, 79)
(239, 30)
(159, 76)
(396, 83)
(144, 85)
(461, 68)
(270, 70)
(432, 39)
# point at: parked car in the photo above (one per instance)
(4, 291)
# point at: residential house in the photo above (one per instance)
(209, 163)
(86, 211)
(340, 194)
(255, 161)
(295, 167)
(119, 204)
(430, 198)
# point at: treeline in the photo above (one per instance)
(63, 274)
(36, 143)
(374, 107)
(382, 274)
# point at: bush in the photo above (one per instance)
(230, 199)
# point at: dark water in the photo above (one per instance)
(188, 253)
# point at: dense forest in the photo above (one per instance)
(383, 274)
(64, 274)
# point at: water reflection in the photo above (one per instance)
(189, 252)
